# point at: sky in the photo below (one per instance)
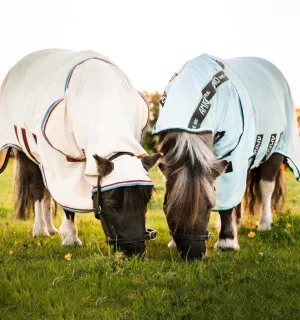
(150, 40)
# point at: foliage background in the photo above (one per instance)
(150, 141)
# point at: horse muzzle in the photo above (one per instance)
(131, 250)
(133, 246)
(191, 247)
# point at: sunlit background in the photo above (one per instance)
(149, 40)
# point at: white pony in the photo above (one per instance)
(76, 123)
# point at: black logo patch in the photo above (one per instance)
(280, 137)
(229, 167)
(163, 99)
(218, 136)
(221, 64)
(270, 146)
(258, 142)
(204, 105)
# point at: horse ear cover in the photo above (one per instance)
(104, 166)
(220, 168)
(150, 160)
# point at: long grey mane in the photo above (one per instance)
(190, 165)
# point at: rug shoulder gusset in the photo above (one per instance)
(231, 186)
(57, 132)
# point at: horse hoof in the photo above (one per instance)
(52, 230)
(227, 245)
(71, 241)
(172, 244)
(264, 227)
(40, 233)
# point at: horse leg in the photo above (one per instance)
(47, 209)
(37, 191)
(68, 230)
(29, 191)
(40, 224)
(266, 219)
(228, 239)
(239, 215)
(270, 171)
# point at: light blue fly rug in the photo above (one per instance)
(62, 107)
(246, 104)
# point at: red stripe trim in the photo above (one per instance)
(144, 98)
(70, 159)
(94, 58)
(45, 125)
(26, 144)
(34, 137)
(45, 179)
(70, 76)
(16, 132)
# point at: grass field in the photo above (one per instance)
(261, 281)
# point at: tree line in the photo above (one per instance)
(150, 141)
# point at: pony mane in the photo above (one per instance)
(190, 166)
(135, 198)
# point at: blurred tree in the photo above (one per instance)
(298, 117)
(150, 141)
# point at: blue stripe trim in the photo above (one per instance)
(68, 78)
(64, 208)
(10, 146)
(48, 111)
(43, 176)
(79, 63)
(71, 72)
(296, 167)
(46, 116)
(124, 185)
(75, 210)
(157, 131)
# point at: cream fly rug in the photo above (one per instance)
(61, 107)
(246, 104)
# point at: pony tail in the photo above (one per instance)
(279, 194)
(4, 159)
(253, 194)
(23, 201)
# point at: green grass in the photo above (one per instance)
(261, 281)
